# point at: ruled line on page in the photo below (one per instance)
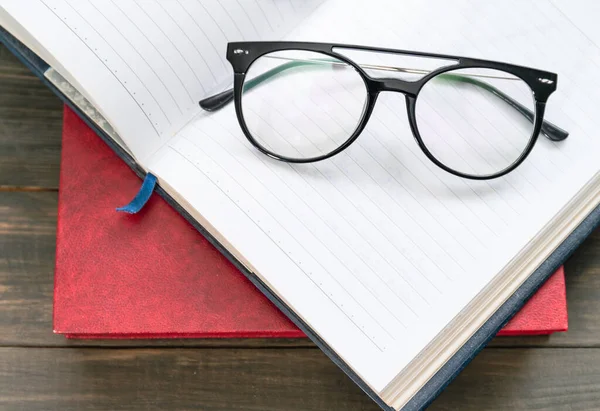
(491, 45)
(414, 30)
(144, 59)
(417, 31)
(194, 45)
(264, 13)
(369, 176)
(555, 61)
(407, 169)
(228, 159)
(130, 18)
(400, 186)
(318, 240)
(74, 31)
(151, 100)
(303, 187)
(350, 203)
(418, 155)
(329, 210)
(162, 54)
(347, 310)
(356, 206)
(427, 166)
(246, 15)
(174, 46)
(217, 54)
(145, 86)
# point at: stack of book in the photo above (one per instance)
(400, 259)
(152, 275)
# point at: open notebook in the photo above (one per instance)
(399, 271)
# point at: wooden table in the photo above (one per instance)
(40, 370)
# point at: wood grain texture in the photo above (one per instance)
(11, 67)
(30, 126)
(526, 379)
(278, 379)
(27, 244)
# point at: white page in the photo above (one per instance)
(57, 43)
(145, 64)
(376, 248)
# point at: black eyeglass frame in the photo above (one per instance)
(241, 55)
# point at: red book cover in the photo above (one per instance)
(152, 275)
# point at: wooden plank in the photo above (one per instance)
(175, 379)
(27, 241)
(30, 127)
(527, 379)
(11, 67)
(284, 379)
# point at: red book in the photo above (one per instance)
(152, 275)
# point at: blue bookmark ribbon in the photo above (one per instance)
(142, 197)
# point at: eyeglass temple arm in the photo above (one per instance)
(217, 101)
(550, 130)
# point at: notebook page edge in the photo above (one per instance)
(57, 46)
(399, 392)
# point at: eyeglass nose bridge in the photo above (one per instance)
(408, 88)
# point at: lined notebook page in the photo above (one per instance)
(376, 248)
(145, 64)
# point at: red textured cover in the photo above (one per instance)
(152, 275)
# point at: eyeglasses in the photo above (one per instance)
(305, 102)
